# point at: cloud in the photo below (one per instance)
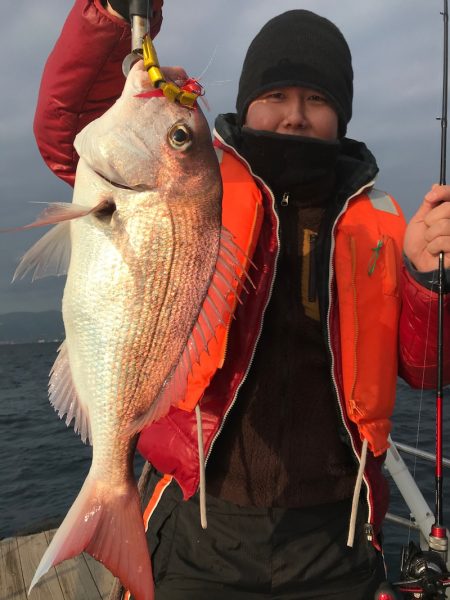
(397, 55)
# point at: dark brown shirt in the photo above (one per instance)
(280, 445)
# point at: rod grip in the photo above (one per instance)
(385, 592)
(141, 8)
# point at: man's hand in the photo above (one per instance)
(428, 232)
(175, 74)
(121, 10)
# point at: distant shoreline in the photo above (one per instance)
(31, 328)
(23, 343)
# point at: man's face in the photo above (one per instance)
(295, 111)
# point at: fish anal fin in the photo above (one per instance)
(64, 398)
(107, 523)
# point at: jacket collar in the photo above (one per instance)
(356, 165)
(356, 168)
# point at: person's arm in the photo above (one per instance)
(427, 233)
(82, 79)
(418, 334)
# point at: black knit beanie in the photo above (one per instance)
(300, 48)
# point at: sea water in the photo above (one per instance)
(43, 463)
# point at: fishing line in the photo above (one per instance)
(425, 572)
(219, 82)
(209, 63)
(438, 529)
(419, 418)
(440, 278)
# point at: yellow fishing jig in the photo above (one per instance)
(170, 90)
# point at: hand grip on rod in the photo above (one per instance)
(140, 14)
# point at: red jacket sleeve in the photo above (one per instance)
(418, 334)
(81, 80)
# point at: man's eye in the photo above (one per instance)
(318, 98)
(275, 95)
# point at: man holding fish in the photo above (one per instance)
(297, 390)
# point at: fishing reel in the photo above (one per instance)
(424, 574)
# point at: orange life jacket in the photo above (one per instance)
(364, 309)
(367, 269)
(367, 263)
(241, 215)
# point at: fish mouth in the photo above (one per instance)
(108, 209)
(115, 184)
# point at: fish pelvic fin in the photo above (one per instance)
(106, 522)
(64, 397)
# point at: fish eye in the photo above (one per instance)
(180, 136)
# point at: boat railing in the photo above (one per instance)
(420, 453)
(422, 517)
(402, 521)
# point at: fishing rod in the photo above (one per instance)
(438, 531)
(140, 12)
(141, 15)
(438, 541)
(424, 573)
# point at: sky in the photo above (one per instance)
(397, 60)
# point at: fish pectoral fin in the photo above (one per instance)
(107, 523)
(49, 256)
(64, 397)
(57, 212)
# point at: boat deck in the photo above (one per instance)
(80, 578)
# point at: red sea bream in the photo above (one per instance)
(140, 243)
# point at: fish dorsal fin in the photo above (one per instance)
(50, 255)
(217, 310)
(64, 398)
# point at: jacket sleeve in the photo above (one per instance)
(418, 334)
(81, 80)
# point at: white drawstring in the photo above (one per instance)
(201, 459)
(356, 493)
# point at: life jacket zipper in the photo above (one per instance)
(330, 347)
(355, 324)
(330, 280)
(285, 199)
(274, 212)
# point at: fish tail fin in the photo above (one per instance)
(107, 523)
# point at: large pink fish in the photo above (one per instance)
(141, 243)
